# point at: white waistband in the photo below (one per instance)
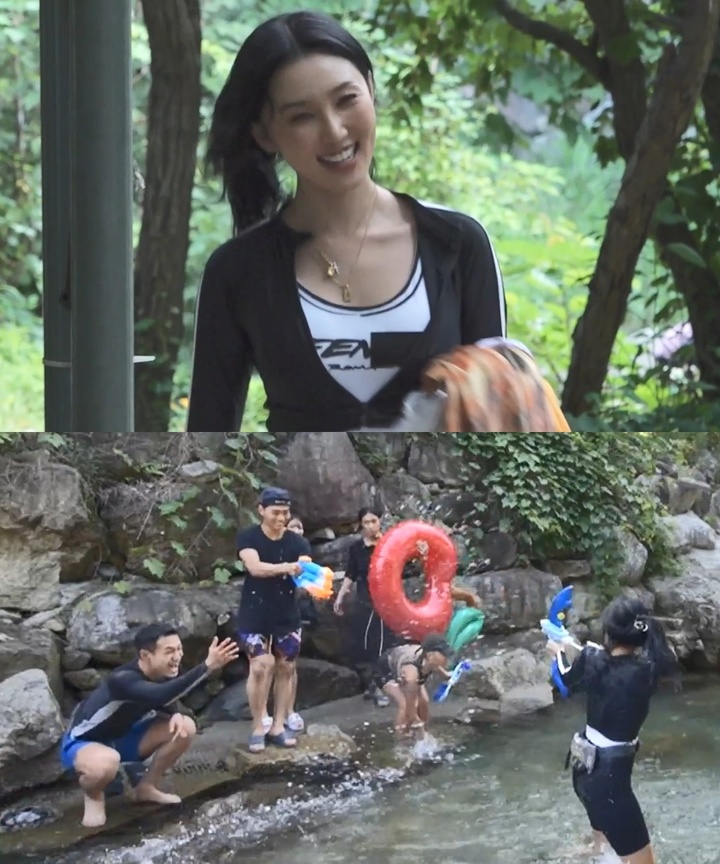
(599, 740)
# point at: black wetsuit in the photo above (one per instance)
(127, 696)
(619, 689)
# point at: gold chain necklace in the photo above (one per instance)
(332, 271)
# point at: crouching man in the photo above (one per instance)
(132, 716)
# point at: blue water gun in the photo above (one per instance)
(554, 628)
(316, 580)
(441, 694)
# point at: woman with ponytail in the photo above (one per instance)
(619, 680)
(339, 294)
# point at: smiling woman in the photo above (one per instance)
(340, 295)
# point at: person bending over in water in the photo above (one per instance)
(401, 673)
(132, 715)
(619, 680)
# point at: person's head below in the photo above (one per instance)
(295, 524)
(628, 626)
(436, 651)
(369, 521)
(159, 650)
(300, 90)
(274, 509)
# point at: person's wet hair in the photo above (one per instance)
(627, 622)
(249, 174)
(147, 637)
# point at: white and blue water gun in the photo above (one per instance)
(554, 628)
(441, 694)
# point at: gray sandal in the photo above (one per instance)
(256, 743)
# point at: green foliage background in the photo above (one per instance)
(543, 200)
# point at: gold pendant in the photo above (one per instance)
(332, 269)
(346, 293)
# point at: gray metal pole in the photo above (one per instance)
(102, 238)
(56, 111)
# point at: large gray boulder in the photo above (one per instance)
(31, 725)
(48, 533)
(23, 648)
(104, 623)
(326, 478)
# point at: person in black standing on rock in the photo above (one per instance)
(620, 680)
(269, 622)
(369, 635)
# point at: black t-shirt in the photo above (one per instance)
(268, 604)
(359, 555)
(358, 567)
(618, 690)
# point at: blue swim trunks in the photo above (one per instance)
(128, 746)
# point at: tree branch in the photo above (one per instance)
(626, 77)
(678, 84)
(544, 32)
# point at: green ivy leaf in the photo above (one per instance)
(221, 575)
(154, 566)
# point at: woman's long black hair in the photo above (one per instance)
(628, 622)
(249, 174)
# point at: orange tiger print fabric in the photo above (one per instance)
(494, 389)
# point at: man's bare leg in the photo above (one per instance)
(392, 689)
(97, 766)
(644, 856)
(284, 674)
(167, 748)
(262, 670)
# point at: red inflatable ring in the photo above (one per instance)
(433, 612)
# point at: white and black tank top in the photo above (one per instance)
(365, 348)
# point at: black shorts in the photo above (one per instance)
(611, 805)
(382, 674)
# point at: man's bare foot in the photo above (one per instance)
(94, 816)
(148, 792)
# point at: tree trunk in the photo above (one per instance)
(699, 287)
(173, 130)
(678, 84)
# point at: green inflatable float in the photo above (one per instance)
(465, 627)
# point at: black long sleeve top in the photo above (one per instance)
(249, 317)
(127, 696)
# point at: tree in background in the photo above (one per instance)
(660, 64)
(172, 134)
(627, 147)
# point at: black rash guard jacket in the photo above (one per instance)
(127, 696)
(619, 689)
(249, 317)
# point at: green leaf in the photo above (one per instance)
(122, 587)
(687, 253)
(221, 575)
(155, 567)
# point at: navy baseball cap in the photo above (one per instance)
(274, 497)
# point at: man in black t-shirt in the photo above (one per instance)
(269, 626)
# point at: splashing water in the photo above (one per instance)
(504, 800)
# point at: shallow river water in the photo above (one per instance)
(507, 799)
(503, 799)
